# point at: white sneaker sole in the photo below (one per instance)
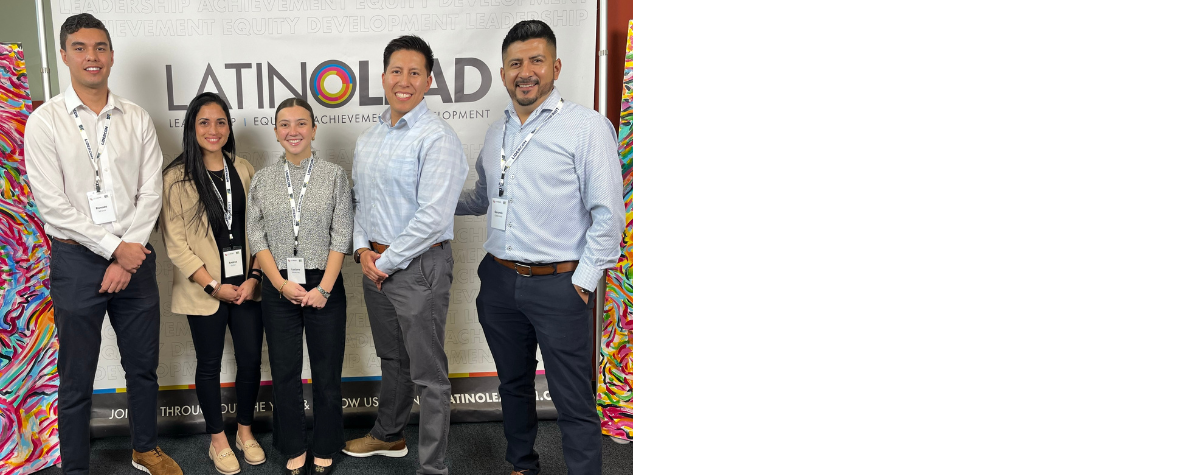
(385, 453)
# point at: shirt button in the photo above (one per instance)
(509, 248)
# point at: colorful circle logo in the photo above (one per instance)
(333, 83)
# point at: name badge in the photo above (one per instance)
(295, 268)
(499, 213)
(101, 204)
(233, 261)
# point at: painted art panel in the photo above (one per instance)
(28, 344)
(615, 391)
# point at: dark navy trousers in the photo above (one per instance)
(518, 314)
(79, 308)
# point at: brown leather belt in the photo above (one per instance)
(538, 269)
(68, 241)
(379, 248)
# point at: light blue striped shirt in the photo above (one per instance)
(565, 190)
(406, 180)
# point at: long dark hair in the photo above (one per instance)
(191, 160)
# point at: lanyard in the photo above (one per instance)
(93, 158)
(228, 200)
(504, 164)
(297, 204)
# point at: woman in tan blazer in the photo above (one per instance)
(216, 281)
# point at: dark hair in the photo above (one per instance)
(191, 160)
(528, 30)
(293, 102)
(78, 22)
(411, 43)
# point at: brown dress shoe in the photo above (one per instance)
(368, 445)
(155, 462)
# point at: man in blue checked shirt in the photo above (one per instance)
(550, 183)
(408, 171)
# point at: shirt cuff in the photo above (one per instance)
(108, 245)
(587, 277)
(386, 265)
(361, 242)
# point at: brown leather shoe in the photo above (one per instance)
(155, 462)
(368, 445)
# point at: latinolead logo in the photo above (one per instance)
(331, 84)
(332, 74)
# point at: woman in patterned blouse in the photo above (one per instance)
(300, 226)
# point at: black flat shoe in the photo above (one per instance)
(315, 469)
(303, 470)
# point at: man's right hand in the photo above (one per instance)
(115, 279)
(130, 256)
(367, 259)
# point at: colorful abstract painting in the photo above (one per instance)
(615, 390)
(28, 347)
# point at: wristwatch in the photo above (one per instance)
(322, 291)
(358, 254)
(211, 287)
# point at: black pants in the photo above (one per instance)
(208, 336)
(325, 331)
(517, 315)
(79, 308)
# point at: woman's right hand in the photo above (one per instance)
(293, 292)
(227, 293)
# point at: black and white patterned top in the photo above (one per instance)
(326, 219)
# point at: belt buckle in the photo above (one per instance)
(517, 267)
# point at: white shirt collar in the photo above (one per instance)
(72, 101)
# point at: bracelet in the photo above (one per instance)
(323, 292)
(255, 274)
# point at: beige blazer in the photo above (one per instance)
(190, 246)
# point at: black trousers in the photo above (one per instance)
(288, 325)
(79, 309)
(208, 336)
(517, 315)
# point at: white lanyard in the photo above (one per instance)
(504, 164)
(228, 200)
(93, 158)
(297, 204)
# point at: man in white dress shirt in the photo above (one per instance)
(95, 169)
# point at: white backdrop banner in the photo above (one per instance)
(256, 53)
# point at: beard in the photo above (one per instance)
(541, 91)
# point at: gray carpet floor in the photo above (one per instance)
(475, 448)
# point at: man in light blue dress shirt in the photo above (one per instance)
(550, 183)
(408, 172)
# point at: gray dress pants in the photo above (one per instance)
(408, 324)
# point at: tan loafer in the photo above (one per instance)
(225, 461)
(251, 451)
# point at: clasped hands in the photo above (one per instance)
(367, 258)
(296, 294)
(127, 259)
(236, 294)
